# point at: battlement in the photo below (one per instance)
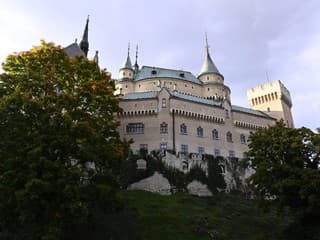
(276, 88)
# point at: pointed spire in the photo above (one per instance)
(208, 65)
(84, 44)
(127, 64)
(96, 57)
(207, 45)
(136, 65)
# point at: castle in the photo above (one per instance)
(175, 110)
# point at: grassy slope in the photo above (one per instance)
(182, 216)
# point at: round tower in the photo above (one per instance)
(126, 71)
(213, 80)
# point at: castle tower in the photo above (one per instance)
(213, 79)
(84, 44)
(126, 71)
(274, 99)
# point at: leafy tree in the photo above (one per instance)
(286, 164)
(59, 148)
(216, 180)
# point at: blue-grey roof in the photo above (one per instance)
(208, 65)
(127, 64)
(73, 50)
(250, 111)
(139, 95)
(156, 72)
(196, 99)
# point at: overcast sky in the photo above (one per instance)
(247, 38)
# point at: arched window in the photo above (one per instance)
(229, 137)
(215, 134)
(200, 132)
(183, 129)
(163, 127)
(242, 138)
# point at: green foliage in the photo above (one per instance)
(197, 173)
(216, 180)
(286, 162)
(182, 216)
(60, 151)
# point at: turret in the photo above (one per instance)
(213, 80)
(84, 44)
(126, 71)
(209, 72)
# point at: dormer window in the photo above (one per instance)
(153, 72)
(181, 75)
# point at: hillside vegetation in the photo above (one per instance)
(186, 217)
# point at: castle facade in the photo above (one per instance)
(174, 109)
(167, 109)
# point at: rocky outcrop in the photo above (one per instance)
(199, 189)
(156, 183)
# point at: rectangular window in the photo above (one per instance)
(217, 152)
(201, 150)
(163, 147)
(135, 128)
(232, 153)
(164, 102)
(184, 148)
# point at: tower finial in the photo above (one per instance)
(207, 45)
(84, 44)
(128, 49)
(137, 53)
(136, 66)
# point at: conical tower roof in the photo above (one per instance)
(84, 44)
(208, 65)
(127, 64)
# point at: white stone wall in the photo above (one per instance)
(199, 189)
(156, 183)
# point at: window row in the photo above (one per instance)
(201, 150)
(215, 134)
(138, 128)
